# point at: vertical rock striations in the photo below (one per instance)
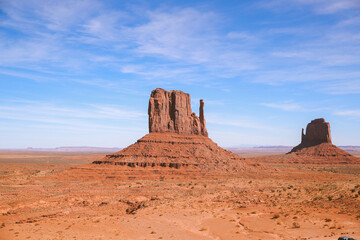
(177, 139)
(317, 131)
(170, 112)
(202, 119)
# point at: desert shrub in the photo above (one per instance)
(330, 198)
(276, 216)
(296, 225)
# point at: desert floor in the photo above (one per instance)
(60, 196)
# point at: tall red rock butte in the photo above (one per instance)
(170, 112)
(177, 139)
(316, 146)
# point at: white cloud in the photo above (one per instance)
(172, 44)
(351, 86)
(236, 122)
(350, 113)
(46, 112)
(37, 16)
(318, 6)
(285, 106)
(332, 6)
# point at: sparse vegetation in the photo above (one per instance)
(296, 225)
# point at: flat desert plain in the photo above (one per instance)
(63, 196)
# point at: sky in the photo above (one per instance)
(80, 73)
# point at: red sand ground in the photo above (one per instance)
(58, 199)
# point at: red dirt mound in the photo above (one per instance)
(325, 153)
(176, 151)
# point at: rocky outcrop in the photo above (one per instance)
(317, 132)
(316, 147)
(177, 140)
(170, 112)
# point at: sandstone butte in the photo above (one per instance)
(177, 138)
(316, 146)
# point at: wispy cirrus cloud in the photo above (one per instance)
(350, 113)
(325, 54)
(318, 7)
(285, 106)
(240, 122)
(179, 42)
(52, 113)
(176, 44)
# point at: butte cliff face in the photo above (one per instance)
(316, 146)
(170, 112)
(317, 132)
(177, 139)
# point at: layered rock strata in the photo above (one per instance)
(316, 146)
(176, 151)
(177, 139)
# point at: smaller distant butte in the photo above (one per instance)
(317, 132)
(316, 146)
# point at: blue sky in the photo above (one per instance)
(79, 73)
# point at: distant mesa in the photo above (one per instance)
(317, 132)
(177, 138)
(316, 146)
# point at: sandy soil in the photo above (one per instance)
(50, 196)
